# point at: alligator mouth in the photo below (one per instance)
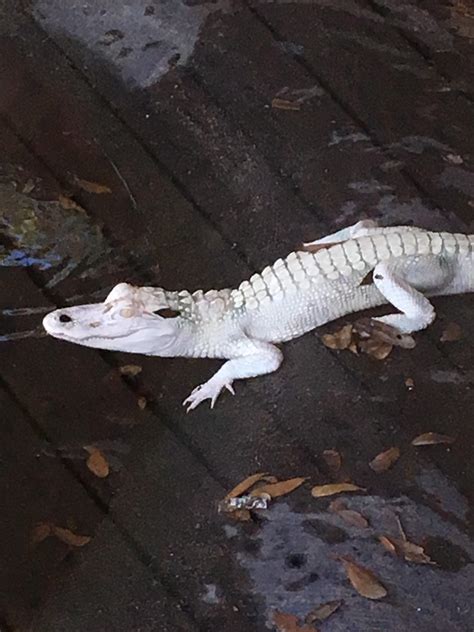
(62, 336)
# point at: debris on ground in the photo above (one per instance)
(333, 460)
(44, 530)
(370, 336)
(350, 516)
(431, 438)
(285, 622)
(91, 187)
(97, 462)
(451, 333)
(363, 580)
(265, 489)
(384, 461)
(320, 491)
(130, 370)
(323, 611)
(406, 550)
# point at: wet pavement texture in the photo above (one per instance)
(189, 144)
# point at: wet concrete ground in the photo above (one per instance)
(169, 106)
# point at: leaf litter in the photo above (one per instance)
(406, 550)
(44, 530)
(286, 622)
(451, 333)
(432, 438)
(91, 187)
(333, 460)
(97, 462)
(320, 491)
(370, 336)
(385, 460)
(323, 611)
(363, 580)
(350, 516)
(242, 498)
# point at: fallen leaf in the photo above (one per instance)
(41, 531)
(383, 333)
(97, 463)
(333, 460)
(68, 537)
(130, 369)
(354, 518)
(409, 551)
(341, 339)
(385, 460)
(323, 611)
(241, 515)
(336, 488)
(363, 580)
(245, 485)
(376, 349)
(68, 203)
(285, 104)
(142, 402)
(451, 333)
(279, 489)
(92, 187)
(388, 544)
(431, 438)
(285, 622)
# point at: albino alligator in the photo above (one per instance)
(353, 269)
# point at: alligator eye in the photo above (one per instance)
(64, 318)
(166, 313)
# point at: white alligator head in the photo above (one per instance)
(132, 319)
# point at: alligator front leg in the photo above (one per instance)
(261, 358)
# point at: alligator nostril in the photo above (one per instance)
(64, 318)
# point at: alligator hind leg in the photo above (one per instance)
(417, 312)
(350, 232)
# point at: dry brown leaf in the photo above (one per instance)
(285, 622)
(379, 332)
(323, 611)
(279, 489)
(432, 438)
(385, 460)
(245, 485)
(41, 531)
(92, 187)
(409, 551)
(241, 515)
(341, 339)
(336, 488)
(354, 518)
(68, 537)
(350, 516)
(68, 203)
(388, 544)
(376, 349)
(142, 402)
(97, 463)
(363, 580)
(285, 104)
(130, 369)
(451, 333)
(333, 459)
